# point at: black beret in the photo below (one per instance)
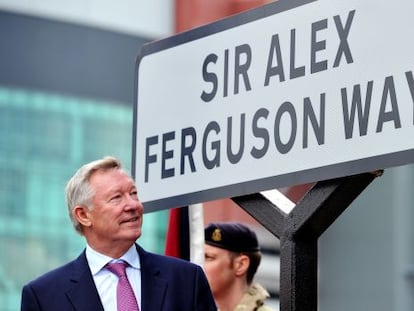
(232, 236)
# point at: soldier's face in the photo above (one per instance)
(219, 268)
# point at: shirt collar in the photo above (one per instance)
(97, 260)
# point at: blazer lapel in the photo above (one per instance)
(83, 294)
(153, 286)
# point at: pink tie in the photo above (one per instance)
(124, 294)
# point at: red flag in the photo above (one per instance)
(178, 241)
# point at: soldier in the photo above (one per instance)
(232, 256)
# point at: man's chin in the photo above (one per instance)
(131, 231)
(134, 235)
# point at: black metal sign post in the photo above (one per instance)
(299, 231)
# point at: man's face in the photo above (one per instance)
(116, 213)
(219, 269)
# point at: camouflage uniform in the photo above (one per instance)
(253, 299)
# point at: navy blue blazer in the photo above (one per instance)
(168, 284)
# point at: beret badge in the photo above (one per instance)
(216, 235)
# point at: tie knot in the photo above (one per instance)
(117, 268)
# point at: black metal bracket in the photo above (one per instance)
(299, 231)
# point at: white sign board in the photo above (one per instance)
(289, 93)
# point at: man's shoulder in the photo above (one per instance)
(167, 262)
(151, 256)
(169, 259)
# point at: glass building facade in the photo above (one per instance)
(49, 126)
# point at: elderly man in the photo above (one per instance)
(113, 272)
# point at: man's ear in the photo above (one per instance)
(241, 264)
(82, 215)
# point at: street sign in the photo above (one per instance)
(289, 93)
